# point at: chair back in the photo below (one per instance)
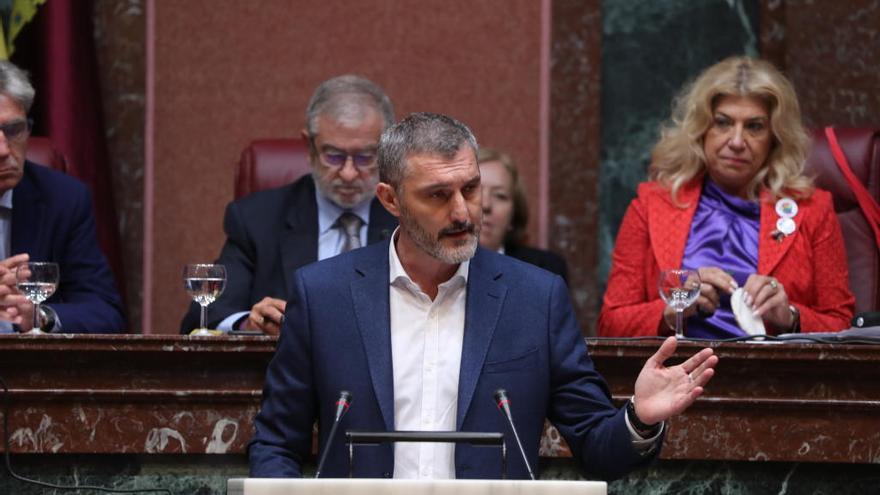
(269, 163)
(862, 149)
(41, 151)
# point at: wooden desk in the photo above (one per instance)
(150, 394)
(768, 401)
(138, 394)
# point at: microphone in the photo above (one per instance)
(342, 405)
(503, 404)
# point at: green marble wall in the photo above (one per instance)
(207, 475)
(650, 48)
(182, 475)
(735, 478)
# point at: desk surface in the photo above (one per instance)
(177, 394)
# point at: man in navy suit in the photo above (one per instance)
(47, 216)
(272, 233)
(424, 328)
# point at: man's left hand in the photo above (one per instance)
(663, 392)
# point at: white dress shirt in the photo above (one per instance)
(426, 342)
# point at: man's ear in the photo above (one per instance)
(388, 197)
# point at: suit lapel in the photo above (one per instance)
(28, 209)
(770, 250)
(369, 292)
(485, 296)
(299, 241)
(669, 225)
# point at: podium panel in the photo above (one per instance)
(334, 486)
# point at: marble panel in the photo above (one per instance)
(120, 49)
(830, 52)
(574, 147)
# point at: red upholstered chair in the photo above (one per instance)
(862, 149)
(268, 163)
(41, 151)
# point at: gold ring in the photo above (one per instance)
(773, 283)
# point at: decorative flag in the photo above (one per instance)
(15, 15)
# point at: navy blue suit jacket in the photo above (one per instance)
(520, 334)
(52, 220)
(269, 234)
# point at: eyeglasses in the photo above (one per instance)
(16, 130)
(337, 158)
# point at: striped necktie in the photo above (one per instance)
(350, 224)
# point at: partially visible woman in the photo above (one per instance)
(727, 197)
(506, 213)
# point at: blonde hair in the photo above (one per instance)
(679, 157)
(517, 233)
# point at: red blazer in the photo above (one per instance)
(810, 263)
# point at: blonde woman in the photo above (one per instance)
(727, 197)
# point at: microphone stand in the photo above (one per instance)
(503, 404)
(342, 405)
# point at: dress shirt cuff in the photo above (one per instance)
(232, 322)
(643, 445)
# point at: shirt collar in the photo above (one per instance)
(6, 200)
(328, 211)
(398, 275)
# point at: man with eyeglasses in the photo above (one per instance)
(47, 216)
(272, 233)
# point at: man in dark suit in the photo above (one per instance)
(47, 216)
(424, 328)
(272, 233)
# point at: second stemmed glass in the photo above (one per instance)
(37, 280)
(679, 288)
(204, 283)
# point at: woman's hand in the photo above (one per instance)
(767, 298)
(714, 282)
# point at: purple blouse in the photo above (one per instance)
(724, 234)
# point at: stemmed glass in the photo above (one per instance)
(679, 288)
(37, 281)
(204, 283)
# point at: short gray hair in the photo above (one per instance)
(15, 84)
(420, 133)
(346, 96)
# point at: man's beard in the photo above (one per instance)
(328, 190)
(463, 251)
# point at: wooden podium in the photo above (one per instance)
(334, 486)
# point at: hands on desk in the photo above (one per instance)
(266, 316)
(662, 392)
(14, 307)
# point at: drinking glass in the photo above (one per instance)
(679, 288)
(204, 283)
(37, 281)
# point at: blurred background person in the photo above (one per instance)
(46, 215)
(506, 213)
(269, 234)
(727, 197)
